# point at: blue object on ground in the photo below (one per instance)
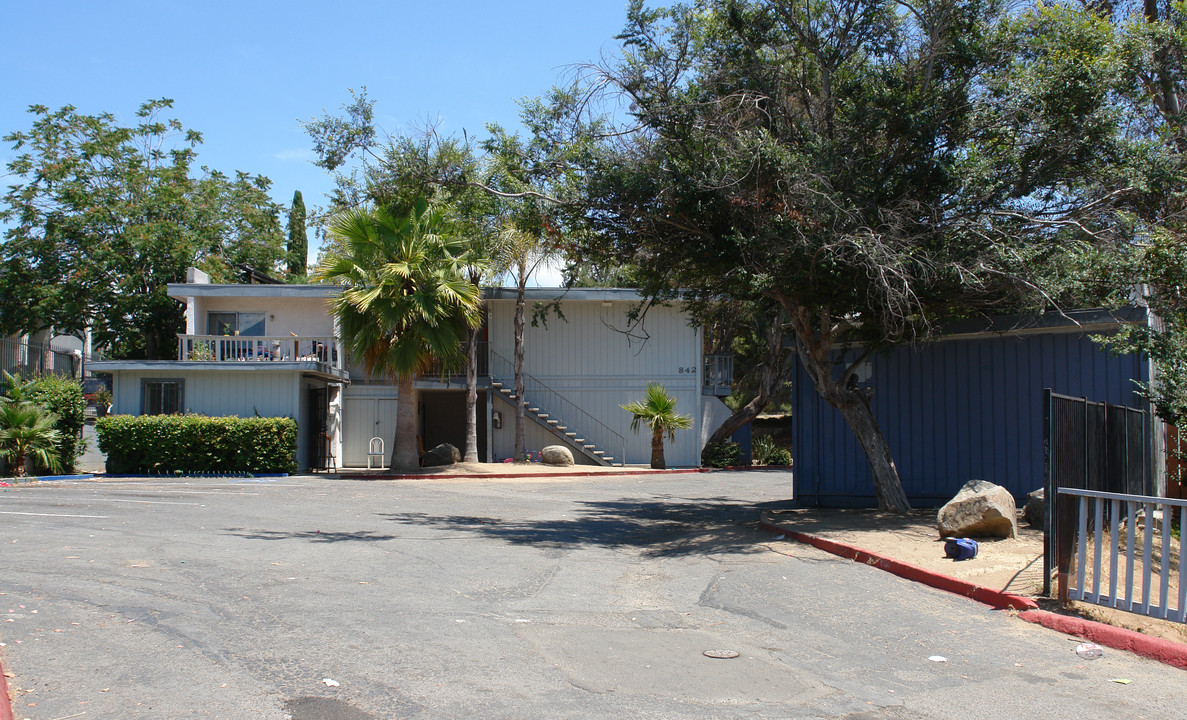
(960, 548)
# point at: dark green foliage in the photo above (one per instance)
(298, 246)
(176, 444)
(62, 397)
(99, 215)
(766, 452)
(726, 453)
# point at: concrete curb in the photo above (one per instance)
(1164, 651)
(5, 703)
(994, 598)
(504, 476)
(348, 475)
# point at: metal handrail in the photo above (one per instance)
(556, 404)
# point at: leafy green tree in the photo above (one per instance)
(298, 245)
(405, 302)
(657, 410)
(102, 215)
(873, 168)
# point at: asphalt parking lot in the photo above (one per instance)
(317, 597)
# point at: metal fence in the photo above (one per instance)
(1100, 559)
(28, 359)
(1091, 446)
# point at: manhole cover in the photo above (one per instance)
(722, 654)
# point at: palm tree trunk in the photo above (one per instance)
(405, 455)
(18, 463)
(471, 454)
(657, 450)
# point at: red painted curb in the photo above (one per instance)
(993, 598)
(1164, 651)
(5, 703)
(504, 476)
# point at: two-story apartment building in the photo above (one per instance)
(274, 350)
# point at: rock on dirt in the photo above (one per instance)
(980, 509)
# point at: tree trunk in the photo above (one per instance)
(814, 347)
(520, 305)
(775, 370)
(405, 454)
(887, 485)
(18, 463)
(657, 450)
(471, 454)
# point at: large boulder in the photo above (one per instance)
(1035, 509)
(443, 454)
(980, 509)
(556, 455)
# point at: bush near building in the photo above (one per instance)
(179, 444)
(62, 397)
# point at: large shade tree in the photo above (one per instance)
(873, 168)
(405, 304)
(100, 215)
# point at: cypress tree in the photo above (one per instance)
(298, 247)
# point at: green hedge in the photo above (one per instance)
(179, 444)
(62, 397)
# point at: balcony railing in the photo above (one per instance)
(458, 367)
(263, 349)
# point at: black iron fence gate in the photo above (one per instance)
(1091, 446)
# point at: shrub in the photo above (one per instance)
(766, 452)
(177, 444)
(721, 454)
(62, 397)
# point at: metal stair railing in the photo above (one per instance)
(554, 406)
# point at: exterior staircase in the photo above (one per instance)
(551, 411)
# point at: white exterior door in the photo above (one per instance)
(362, 419)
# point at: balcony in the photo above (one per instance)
(325, 351)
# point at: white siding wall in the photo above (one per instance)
(223, 394)
(303, 316)
(598, 368)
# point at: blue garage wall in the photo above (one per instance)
(953, 411)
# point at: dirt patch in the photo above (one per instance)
(1013, 566)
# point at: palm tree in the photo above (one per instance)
(26, 429)
(406, 303)
(657, 410)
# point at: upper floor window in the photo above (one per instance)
(235, 323)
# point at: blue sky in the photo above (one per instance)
(245, 73)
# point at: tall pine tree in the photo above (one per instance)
(298, 247)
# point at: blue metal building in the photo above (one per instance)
(968, 406)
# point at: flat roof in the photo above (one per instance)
(180, 291)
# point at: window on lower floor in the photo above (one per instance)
(162, 397)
